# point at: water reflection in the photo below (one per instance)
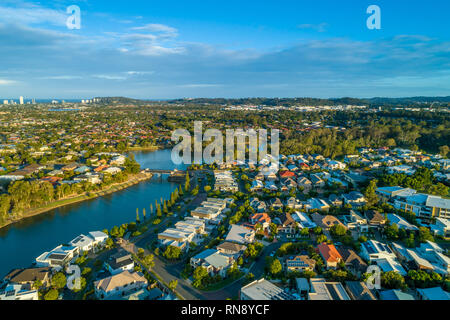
(22, 242)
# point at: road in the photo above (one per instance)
(168, 272)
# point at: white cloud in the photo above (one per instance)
(62, 77)
(5, 82)
(30, 14)
(155, 27)
(110, 77)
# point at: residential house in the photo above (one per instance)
(359, 291)
(317, 204)
(330, 255)
(326, 222)
(441, 227)
(300, 264)
(316, 181)
(401, 223)
(375, 218)
(259, 206)
(230, 248)
(304, 183)
(395, 295)
(58, 257)
(286, 223)
(213, 261)
(335, 200)
(19, 292)
(240, 234)
(293, 203)
(353, 262)
(30, 276)
(257, 185)
(276, 204)
(262, 219)
(354, 221)
(326, 290)
(260, 290)
(119, 262)
(354, 198)
(119, 285)
(373, 249)
(303, 220)
(435, 294)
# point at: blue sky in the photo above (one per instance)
(175, 49)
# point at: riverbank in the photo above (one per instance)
(145, 149)
(133, 180)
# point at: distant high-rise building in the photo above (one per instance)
(33, 101)
(5, 102)
(21, 100)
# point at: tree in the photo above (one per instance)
(200, 274)
(392, 280)
(207, 189)
(37, 284)
(422, 279)
(392, 232)
(140, 253)
(158, 210)
(444, 150)
(410, 242)
(52, 295)
(173, 285)
(273, 229)
(304, 232)
(149, 261)
(5, 206)
(59, 281)
(187, 185)
(317, 230)
(321, 239)
(138, 219)
(425, 234)
(338, 230)
(144, 213)
(370, 193)
(172, 253)
(274, 266)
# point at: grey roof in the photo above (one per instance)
(359, 290)
(265, 290)
(395, 295)
(438, 202)
(434, 294)
(205, 254)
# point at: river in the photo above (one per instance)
(22, 242)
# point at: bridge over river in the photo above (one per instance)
(174, 175)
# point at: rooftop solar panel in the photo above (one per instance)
(10, 293)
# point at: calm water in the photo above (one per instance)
(21, 243)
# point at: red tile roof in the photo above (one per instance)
(329, 252)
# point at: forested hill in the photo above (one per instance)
(374, 102)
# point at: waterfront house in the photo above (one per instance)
(119, 261)
(119, 285)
